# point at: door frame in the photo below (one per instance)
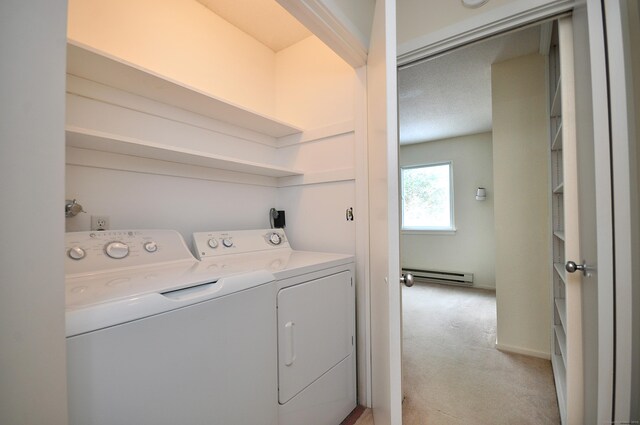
(492, 24)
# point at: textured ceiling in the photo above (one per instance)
(264, 20)
(450, 95)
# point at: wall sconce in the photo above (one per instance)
(481, 194)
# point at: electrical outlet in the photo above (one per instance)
(99, 222)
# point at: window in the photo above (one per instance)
(427, 197)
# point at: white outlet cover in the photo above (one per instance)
(95, 222)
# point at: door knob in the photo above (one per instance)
(407, 279)
(572, 267)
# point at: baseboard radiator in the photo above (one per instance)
(438, 276)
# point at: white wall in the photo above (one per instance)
(314, 87)
(182, 40)
(32, 327)
(472, 247)
(309, 85)
(521, 202)
(147, 201)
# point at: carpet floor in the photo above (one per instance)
(452, 372)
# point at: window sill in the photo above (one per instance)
(439, 232)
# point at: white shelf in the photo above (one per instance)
(562, 342)
(557, 139)
(104, 142)
(562, 311)
(560, 375)
(559, 268)
(556, 109)
(559, 188)
(559, 234)
(90, 64)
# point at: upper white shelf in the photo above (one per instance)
(99, 141)
(88, 63)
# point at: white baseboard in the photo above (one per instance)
(525, 351)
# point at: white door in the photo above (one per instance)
(623, 55)
(315, 331)
(589, 222)
(384, 225)
(568, 356)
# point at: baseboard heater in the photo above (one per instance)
(438, 276)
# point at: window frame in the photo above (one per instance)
(439, 230)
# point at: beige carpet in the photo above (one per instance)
(452, 374)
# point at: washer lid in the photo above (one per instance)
(153, 291)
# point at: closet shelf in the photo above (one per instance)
(105, 142)
(559, 188)
(556, 109)
(562, 311)
(559, 268)
(90, 64)
(562, 342)
(557, 139)
(559, 234)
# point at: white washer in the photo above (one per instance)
(151, 342)
(316, 319)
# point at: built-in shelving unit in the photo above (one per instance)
(105, 142)
(90, 64)
(559, 320)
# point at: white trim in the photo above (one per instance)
(435, 232)
(363, 285)
(509, 16)
(623, 160)
(546, 29)
(346, 174)
(322, 22)
(521, 350)
(318, 133)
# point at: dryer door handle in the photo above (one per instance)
(290, 353)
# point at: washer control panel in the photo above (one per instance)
(210, 244)
(89, 252)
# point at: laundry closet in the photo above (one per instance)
(178, 119)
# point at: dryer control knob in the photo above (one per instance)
(151, 247)
(117, 250)
(275, 239)
(227, 242)
(213, 243)
(76, 253)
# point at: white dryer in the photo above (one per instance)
(315, 314)
(151, 342)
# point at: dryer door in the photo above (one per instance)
(315, 330)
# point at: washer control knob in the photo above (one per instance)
(76, 253)
(213, 243)
(275, 239)
(117, 250)
(151, 246)
(227, 242)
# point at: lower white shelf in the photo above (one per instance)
(560, 378)
(562, 311)
(562, 342)
(104, 142)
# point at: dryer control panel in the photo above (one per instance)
(215, 243)
(91, 252)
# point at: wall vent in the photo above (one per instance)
(439, 276)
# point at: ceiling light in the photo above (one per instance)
(472, 4)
